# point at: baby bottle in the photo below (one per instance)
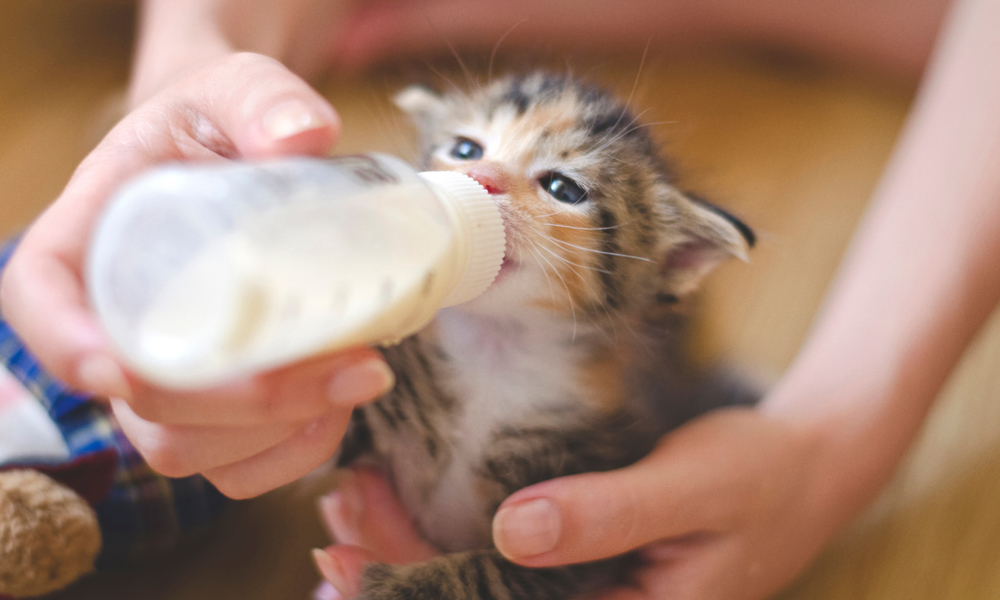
(203, 273)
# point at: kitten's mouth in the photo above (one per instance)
(491, 186)
(509, 226)
(506, 266)
(507, 215)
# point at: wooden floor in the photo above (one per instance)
(794, 149)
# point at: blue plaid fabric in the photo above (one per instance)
(145, 514)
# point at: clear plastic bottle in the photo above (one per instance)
(203, 273)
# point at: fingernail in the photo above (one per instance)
(527, 529)
(331, 570)
(100, 374)
(325, 591)
(290, 118)
(361, 382)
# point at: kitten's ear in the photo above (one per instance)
(424, 105)
(708, 236)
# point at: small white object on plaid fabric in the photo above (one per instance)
(27, 434)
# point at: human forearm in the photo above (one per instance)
(919, 279)
(177, 37)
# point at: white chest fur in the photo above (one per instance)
(505, 372)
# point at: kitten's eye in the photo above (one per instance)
(563, 188)
(466, 149)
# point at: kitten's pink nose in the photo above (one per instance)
(490, 176)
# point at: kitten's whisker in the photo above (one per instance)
(569, 262)
(468, 74)
(569, 294)
(550, 224)
(590, 289)
(552, 292)
(610, 135)
(606, 143)
(613, 137)
(558, 211)
(552, 239)
(652, 123)
(593, 293)
(635, 84)
(585, 249)
(493, 55)
(458, 90)
(632, 128)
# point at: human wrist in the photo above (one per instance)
(852, 430)
(175, 39)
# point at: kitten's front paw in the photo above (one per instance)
(424, 581)
(485, 575)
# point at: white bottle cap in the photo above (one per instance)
(484, 233)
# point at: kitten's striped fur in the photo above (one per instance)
(557, 369)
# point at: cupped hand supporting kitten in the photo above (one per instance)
(731, 467)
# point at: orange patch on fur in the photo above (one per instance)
(571, 238)
(602, 377)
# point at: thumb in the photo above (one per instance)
(701, 478)
(262, 107)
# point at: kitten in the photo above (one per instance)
(572, 361)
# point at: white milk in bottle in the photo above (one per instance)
(203, 273)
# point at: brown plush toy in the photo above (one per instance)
(49, 535)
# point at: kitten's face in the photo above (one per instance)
(593, 225)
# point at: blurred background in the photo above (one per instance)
(792, 147)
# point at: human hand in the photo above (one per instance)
(722, 508)
(248, 436)
(725, 507)
(369, 524)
